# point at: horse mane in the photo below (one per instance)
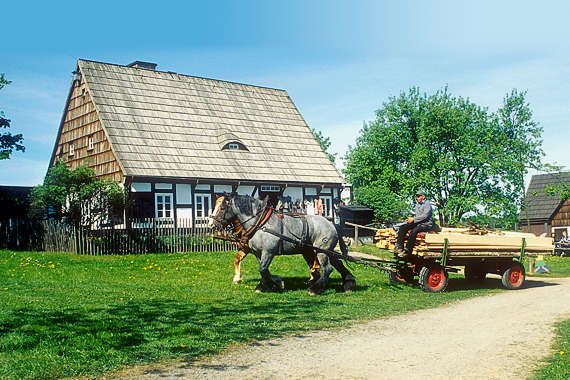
(244, 203)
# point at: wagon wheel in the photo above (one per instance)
(434, 278)
(474, 273)
(513, 277)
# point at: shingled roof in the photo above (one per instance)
(164, 124)
(539, 204)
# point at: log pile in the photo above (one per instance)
(470, 242)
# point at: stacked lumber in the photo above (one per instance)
(470, 242)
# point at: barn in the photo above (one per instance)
(176, 141)
(546, 214)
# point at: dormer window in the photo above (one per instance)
(227, 140)
(234, 145)
(71, 149)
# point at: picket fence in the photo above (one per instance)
(137, 236)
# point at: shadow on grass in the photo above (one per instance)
(146, 331)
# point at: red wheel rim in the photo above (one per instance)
(436, 278)
(516, 276)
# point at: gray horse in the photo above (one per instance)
(256, 217)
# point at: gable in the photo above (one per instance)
(541, 206)
(81, 128)
(163, 124)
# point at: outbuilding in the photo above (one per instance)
(546, 214)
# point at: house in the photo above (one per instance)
(176, 141)
(546, 214)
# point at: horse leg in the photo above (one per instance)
(320, 285)
(268, 282)
(240, 255)
(313, 263)
(348, 280)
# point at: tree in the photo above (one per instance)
(78, 197)
(8, 142)
(560, 189)
(325, 143)
(466, 158)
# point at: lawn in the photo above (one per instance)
(66, 316)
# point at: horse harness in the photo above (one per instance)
(241, 236)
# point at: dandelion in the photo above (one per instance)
(121, 298)
(561, 352)
(5, 288)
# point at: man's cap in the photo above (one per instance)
(420, 192)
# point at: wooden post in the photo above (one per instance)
(355, 236)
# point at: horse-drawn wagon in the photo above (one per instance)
(478, 251)
(259, 229)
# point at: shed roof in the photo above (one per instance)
(164, 124)
(539, 204)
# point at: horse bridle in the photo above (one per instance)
(221, 221)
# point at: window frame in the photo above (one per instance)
(205, 209)
(90, 144)
(158, 211)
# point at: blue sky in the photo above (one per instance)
(338, 60)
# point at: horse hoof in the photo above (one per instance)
(315, 291)
(349, 286)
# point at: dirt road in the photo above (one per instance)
(502, 336)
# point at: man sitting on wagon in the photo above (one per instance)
(422, 221)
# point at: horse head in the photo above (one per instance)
(223, 213)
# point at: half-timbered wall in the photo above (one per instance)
(193, 200)
(81, 123)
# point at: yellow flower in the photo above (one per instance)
(5, 288)
(561, 352)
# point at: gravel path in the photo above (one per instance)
(501, 336)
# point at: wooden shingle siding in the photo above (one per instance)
(162, 124)
(562, 216)
(79, 123)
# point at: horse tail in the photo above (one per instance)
(341, 243)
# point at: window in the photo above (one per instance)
(274, 189)
(163, 204)
(90, 143)
(234, 145)
(71, 149)
(327, 206)
(202, 208)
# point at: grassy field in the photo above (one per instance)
(559, 267)
(67, 316)
(558, 366)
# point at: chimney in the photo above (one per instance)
(143, 65)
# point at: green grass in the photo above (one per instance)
(67, 316)
(559, 267)
(558, 366)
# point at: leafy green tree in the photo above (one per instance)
(466, 158)
(8, 142)
(325, 143)
(78, 197)
(560, 189)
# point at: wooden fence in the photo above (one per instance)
(138, 236)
